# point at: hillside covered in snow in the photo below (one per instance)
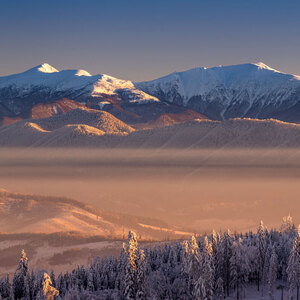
(246, 90)
(218, 93)
(261, 265)
(83, 127)
(44, 83)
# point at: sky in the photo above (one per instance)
(145, 39)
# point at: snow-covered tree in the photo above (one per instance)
(19, 280)
(261, 249)
(5, 287)
(191, 264)
(195, 269)
(207, 269)
(131, 285)
(287, 225)
(226, 250)
(220, 289)
(239, 268)
(200, 292)
(293, 269)
(90, 280)
(141, 273)
(272, 275)
(49, 291)
(193, 258)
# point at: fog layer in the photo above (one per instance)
(197, 189)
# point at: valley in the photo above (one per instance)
(196, 190)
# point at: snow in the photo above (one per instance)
(46, 68)
(256, 79)
(55, 109)
(103, 103)
(82, 73)
(262, 65)
(47, 79)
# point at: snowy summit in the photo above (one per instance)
(246, 90)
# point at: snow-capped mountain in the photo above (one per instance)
(45, 83)
(246, 90)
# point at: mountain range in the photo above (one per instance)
(202, 107)
(219, 93)
(93, 128)
(246, 90)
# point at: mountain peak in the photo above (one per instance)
(82, 73)
(262, 65)
(45, 68)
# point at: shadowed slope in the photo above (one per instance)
(169, 119)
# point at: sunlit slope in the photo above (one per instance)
(252, 90)
(20, 213)
(98, 119)
(64, 129)
(211, 134)
(92, 128)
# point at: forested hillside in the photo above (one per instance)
(217, 266)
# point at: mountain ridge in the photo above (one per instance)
(245, 90)
(44, 83)
(92, 128)
(219, 93)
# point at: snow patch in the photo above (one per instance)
(103, 103)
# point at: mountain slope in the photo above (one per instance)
(99, 119)
(44, 83)
(45, 214)
(233, 133)
(63, 129)
(44, 91)
(220, 93)
(69, 132)
(247, 90)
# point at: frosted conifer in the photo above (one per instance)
(293, 269)
(19, 280)
(272, 273)
(131, 265)
(49, 291)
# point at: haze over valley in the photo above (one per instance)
(149, 150)
(198, 190)
(201, 149)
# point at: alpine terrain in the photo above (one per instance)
(45, 91)
(246, 90)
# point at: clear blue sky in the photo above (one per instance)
(145, 39)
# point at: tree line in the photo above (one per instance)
(210, 267)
